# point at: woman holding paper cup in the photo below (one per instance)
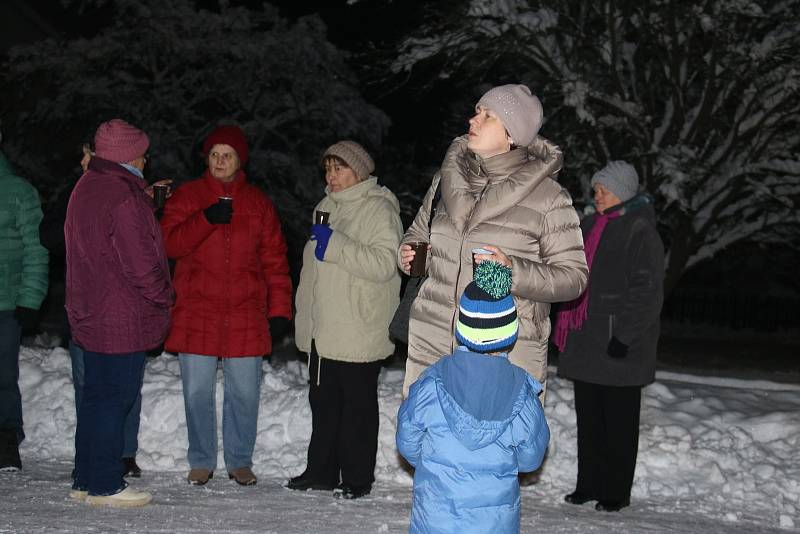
(348, 292)
(498, 193)
(233, 293)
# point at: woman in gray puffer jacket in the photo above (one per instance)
(608, 335)
(498, 192)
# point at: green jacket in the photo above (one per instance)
(23, 260)
(346, 302)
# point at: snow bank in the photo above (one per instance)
(726, 446)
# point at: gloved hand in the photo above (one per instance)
(279, 328)
(321, 233)
(219, 213)
(26, 317)
(616, 348)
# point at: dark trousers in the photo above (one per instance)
(131, 432)
(608, 439)
(344, 421)
(111, 384)
(10, 399)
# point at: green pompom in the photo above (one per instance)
(494, 278)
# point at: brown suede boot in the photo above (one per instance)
(243, 476)
(199, 477)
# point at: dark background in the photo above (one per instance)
(739, 306)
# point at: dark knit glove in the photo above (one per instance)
(219, 213)
(616, 348)
(26, 317)
(321, 233)
(279, 328)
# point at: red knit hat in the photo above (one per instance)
(120, 142)
(233, 136)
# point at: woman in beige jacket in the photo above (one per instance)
(348, 292)
(498, 192)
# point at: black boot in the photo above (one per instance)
(578, 497)
(9, 451)
(306, 482)
(131, 469)
(611, 506)
(346, 491)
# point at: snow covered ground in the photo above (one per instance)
(715, 455)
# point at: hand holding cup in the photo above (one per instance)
(494, 254)
(419, 250)
(221, 212)
(322, 217)
(159, 191)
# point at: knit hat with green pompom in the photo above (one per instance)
(487, 317)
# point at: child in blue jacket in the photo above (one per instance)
(473, 420)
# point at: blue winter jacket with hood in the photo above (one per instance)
(470, 424)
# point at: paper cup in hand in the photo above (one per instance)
(322, 217)
(160, 193)
(420, 249)
(478, 251)
(227, 202)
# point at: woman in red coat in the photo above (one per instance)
(231, 276)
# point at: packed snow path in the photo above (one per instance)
(714, 456)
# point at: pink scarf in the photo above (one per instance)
(572, 314)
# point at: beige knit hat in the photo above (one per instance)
(518, 110)
(354, 155)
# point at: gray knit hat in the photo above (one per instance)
(518, 109)
(354, 155)
(620, 178)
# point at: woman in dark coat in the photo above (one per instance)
(608, 335)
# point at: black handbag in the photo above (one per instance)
(398, 328)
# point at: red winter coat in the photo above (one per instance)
(229, 277)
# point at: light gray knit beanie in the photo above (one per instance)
(519, 110)
(354, 156)
(620, 178)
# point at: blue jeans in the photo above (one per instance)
(131, 430)
(242, 378)
(112, 383)
(10, 399)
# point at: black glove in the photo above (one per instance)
(616, 348)
(279, 328)
(26, 317)
(219, 213)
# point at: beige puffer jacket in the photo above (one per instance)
(346, 302)
(510, 201)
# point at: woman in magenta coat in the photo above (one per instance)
(231, 277)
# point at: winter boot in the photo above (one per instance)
(199, 477)
(346, 491)
(243, 476)
(612, 506)
(131, 468)
(578, 497)
(127, 498)
(9, 451)
(78, 495)
(306, 482)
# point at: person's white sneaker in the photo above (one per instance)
(78, 495)
(127, 498)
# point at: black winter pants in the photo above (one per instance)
(344, 421)
(608, 439)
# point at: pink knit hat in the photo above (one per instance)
(233, 136)
(120, 142)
